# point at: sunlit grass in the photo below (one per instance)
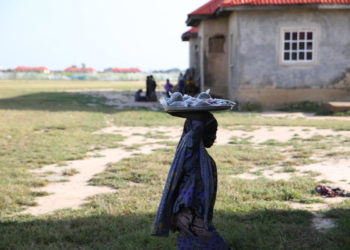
(42, 124)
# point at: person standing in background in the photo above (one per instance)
(148, 87)
(168, 87)
(181, 83)
(190, 87)
(153, 86)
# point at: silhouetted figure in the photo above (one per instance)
(153, 86)
(181, 83)
(148, 87)
(198, 84)
(168, 87)
(139, 97)
(189, 195)
(190, 87)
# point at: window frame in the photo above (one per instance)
(298, 50)
(210, 48)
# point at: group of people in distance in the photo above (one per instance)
(151, 95)
(185, 85)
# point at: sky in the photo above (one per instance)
(99, 33)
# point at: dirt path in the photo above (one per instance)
(304, 115)
(73, 191)
(76, 189)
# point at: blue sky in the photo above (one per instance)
(99, 33)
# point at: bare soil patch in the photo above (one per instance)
(75, 190)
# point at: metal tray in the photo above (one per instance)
(194, 109)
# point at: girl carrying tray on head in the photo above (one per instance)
(190, 191)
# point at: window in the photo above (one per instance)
(298, 46)
(216, 44)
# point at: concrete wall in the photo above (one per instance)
(256, 72)
(194, 56)
(214, 66)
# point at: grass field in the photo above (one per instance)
(41, 124)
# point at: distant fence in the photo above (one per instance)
(87, 76)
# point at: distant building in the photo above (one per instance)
(40, 69)
(79, 70)
(272, 51)
(125, 70)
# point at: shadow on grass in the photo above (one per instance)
(264, 229)
(64, 101)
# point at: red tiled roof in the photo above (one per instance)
(193, 32)
(207, 9)
(230, 3)
(210, 7)
(74, 69)
(126, 70)
(24, 68)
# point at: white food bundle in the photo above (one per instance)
(202, 100)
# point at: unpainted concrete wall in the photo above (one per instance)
(195, 55)
(214, 65)
(256, 73)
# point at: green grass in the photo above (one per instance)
(70, 172)
(29, 86)
(239, 140)
(305, 106)
(289, 170)
(248, 214)
(41, 129)
(42, 124)
(312, 173)
(239, 159)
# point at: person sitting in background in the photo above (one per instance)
(168, 87)
(139, 97)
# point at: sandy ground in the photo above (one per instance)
(296, 115)
(75, 191)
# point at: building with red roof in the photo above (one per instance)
(191, 33)
(125, 70)
(41, 69)
(79, 70)
(191, 36)
(272, 52)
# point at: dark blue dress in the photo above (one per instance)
(191, 188)
(191, 183)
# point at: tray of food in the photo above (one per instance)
(203, 102)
